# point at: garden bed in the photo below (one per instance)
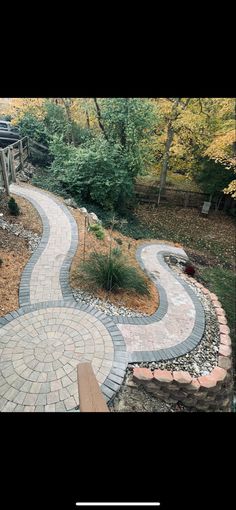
(19, 236)
(122, 302)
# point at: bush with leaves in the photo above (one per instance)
(111, 273)
(13, 207)
(97, 230)
(96, 171)
(212, 176)
(30, 126)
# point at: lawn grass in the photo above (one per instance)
(174, 180)
(223, 283)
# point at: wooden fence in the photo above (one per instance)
(12, 159)
(182, 198)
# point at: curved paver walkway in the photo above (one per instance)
(42, 342)
(178, 324)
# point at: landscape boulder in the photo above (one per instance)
(93, 218)
(71, 202)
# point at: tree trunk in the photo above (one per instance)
(87, 118)
(165, 165)
(68, 114)
(99, 117)
(169, 140)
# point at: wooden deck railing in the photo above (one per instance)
(90, 396)
(12, 159)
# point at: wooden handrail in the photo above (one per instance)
(90, 396)
(8, 164)
(15, 143)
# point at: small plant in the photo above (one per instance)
(116, 252)
(1, 262)
(97, 230)
(111, 273)
(190, 270)
(13, 207)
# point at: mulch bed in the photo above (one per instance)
(128, 246)
(14, 252)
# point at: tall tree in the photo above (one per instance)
(67, 102)
(175, 112)
(99, 117)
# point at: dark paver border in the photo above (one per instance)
(24, 289)
(65, 268)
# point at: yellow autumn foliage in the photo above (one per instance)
(18, 106)
(231, 189)
(221, 149)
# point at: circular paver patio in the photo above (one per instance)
(39, 355)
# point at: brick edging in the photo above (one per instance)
(211, 392)
(65, 268)
(24, 288)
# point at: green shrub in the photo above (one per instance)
(30, 126)
(211, 176)
(116, 252)
(13, 207)
(97, 171)
(111, 273)
(97, 230)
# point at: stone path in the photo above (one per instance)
(42, 342)
(179, 322)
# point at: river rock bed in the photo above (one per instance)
(104, 306)
(19, 231)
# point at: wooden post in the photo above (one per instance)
(21, 155)
(4, 172)
(28, 147)
(12, 165)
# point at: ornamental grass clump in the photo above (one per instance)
(111, 273)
